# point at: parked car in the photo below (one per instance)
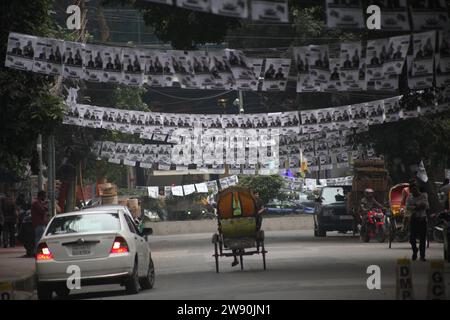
(103, 242)
(331, 211)
(284, 207)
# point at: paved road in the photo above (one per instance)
(299, 266)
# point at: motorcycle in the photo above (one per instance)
(437, 224)
(373, 226)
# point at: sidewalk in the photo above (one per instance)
(17, 271)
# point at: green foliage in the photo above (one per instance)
(269, 187)
(28, 108)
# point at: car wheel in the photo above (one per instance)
(321, 232)
(132, 284)
(62, 291)
(44, 291)
(149, 280)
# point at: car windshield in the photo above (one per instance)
(333, 195)
(96, 222)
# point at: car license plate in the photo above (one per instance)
(346, 217)
(81, 250)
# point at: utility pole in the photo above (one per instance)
(51, 175)
(40, 174)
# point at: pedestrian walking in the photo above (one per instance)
(417, 204)
(10, 216)
(39, 215)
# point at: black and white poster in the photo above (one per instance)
(443, 60)
(221, 71)
(420, 80)
(48, 56)
(397, 49)
(153, 72)
(326, 162)
(392, 109)
(423, 53)
(351, 66)
(333, 83)
(376, 55)
(135, 153)
(429, 15)
(112, 67)
(249, 79)
(341, 117)
(442, 72)
(319, 65)
(20, 51)
(359, 115)
(230, 8)
(73, 60)
(270, 10)
(108, 150)
(275, 74)
(389, 82)
(184, 70)
(305, 82)
(309, 121)
(72, 115)
(325, 120)
(375, 112)
(321, 148)
(197, 5)
(93, 62)
(345, 14)
(133, 66)
(394, 15)
(342, 160)
(203, 76)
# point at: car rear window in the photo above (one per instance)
(95, 222)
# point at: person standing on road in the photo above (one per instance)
(417, 204)
(10, 215)
(259, 211)
(39, 214)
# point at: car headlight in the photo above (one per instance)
(327, 212)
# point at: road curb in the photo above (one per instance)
(23, 288)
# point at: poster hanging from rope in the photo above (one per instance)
(270, 10)
(48, 56)
(275, 74)
(345, 14)
(197, 5)
(230, 8)
(394, 15)
(429, 15)
(20, 51)
(423, 53)
(352, 69)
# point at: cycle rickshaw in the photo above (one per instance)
(238, 233)
(398, 219)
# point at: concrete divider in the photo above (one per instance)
(205, 226)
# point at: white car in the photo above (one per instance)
(103, 242)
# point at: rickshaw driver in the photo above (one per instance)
(368, 203)
(260, 209)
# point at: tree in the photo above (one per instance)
(28, 107)
(269, 187)
(183, 29)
